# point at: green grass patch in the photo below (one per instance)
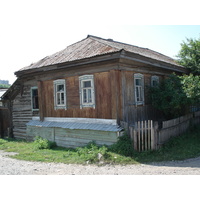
(179, 148)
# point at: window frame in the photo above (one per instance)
(83, 79)
(139, 99)
(34, 88)
(56, 84)
(154, 78)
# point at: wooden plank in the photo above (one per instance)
(69, 137)
(149, 135)
(139, 136)
(41, 100)
(135, 140)
(142, 135)
(152, 135)
(131, 132)
(146, 135)
(155, 128)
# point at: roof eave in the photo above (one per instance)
(75, 63)
(153, 62)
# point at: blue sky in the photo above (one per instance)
(31, 30)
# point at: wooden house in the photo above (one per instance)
(83, 92)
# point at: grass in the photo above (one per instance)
(179, 148)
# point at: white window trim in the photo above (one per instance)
(33, 88)
(141, 77)
(60, 82)
(81, 80)
(154, 78)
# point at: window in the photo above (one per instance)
(86, 84)
(34, 99)
(139, 88)
(60, 94)
(154, 81)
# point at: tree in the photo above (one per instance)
(189, 55)
(170, 98)
(191, 87)
(3, 86)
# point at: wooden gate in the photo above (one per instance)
(143, 135)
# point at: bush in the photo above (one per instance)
(41, 143)
(170, 98)
(123, 146)
(92, 153)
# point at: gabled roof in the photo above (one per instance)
(94, 46)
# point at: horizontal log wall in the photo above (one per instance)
(72, 138)
(22, 111)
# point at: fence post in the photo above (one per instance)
(131, 132)
(146, 136)
(156, 138)
(135, 140)
(152, 135)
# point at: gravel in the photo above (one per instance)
(10, 166)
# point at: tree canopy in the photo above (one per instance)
(169, 97)
(189, 55)
(175, 95)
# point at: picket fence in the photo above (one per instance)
(147, 135)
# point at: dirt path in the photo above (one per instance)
(9, 166)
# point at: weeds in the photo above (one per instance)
(41, 143)
(123, 146)
(179, 148)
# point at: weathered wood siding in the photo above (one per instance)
(114, 98)
(106, 98)
(22, 111)
(130, 111)
(72, 138)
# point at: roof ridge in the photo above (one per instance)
(111, 40)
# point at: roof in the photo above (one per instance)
(94, 46)
(2, 91)
(13, 90)
(75, 125)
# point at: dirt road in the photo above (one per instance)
(10, 166)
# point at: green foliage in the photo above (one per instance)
(123, 146)
(41, 143)
(189, 55)
(4, 86)
(170, 97)
(92, 153)
(178, 148)
(191, 87)
(2, 141)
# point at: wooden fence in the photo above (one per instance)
(143, 135)
(174, 127)
(146, 135)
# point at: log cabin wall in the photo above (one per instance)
(21, 110)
